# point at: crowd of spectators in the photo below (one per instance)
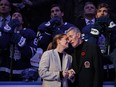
(26, 25)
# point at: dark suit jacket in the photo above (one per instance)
(112, 57)
(80, 23)
(87, 63)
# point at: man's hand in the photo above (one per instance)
(11, 26)
(71, 73)
(56, 21)
(65, 74)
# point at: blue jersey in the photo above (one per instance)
(45, 38)
(15, 55)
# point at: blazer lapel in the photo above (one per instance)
(64, 62)
(57, 59)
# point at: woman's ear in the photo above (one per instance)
(58, 41)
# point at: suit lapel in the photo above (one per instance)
(58, 62)
(82, 23)
(83, 54)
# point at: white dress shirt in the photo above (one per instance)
(89, 21)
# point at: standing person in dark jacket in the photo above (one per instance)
(89, 12)
(87, 61)
(5, 17)
(106, 38)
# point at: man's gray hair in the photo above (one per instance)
(75, 29)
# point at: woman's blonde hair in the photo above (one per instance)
(53, 44)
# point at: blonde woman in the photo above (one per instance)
(55, 64)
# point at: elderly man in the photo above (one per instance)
(87, 61)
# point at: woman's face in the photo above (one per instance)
(63, 42)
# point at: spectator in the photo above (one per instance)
(112, 6)
(88, 16)
(88, 20)
(107, 38)
(104, 12)
(19, 47)
(5, 8)
(47, 30)
(79, 4)
(34, 12)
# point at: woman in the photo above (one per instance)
(55, 63)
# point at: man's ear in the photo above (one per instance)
(62, 14)
(79, 35)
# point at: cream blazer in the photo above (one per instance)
(50, 66)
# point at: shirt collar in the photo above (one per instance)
(86, 20)
(8, 18)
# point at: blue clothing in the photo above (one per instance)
(46, 37)
(14, 59)
(87, 36)
(8, 18)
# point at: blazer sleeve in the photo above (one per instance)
(44, 68)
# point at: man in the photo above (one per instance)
(55, 25)
(87, 21)
(79, 4)
(106, 39)
(16, 48)
(112, 6)
(103, 11)
(88, 16)
(5, 8)
(87, 60)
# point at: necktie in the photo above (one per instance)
(90, 22)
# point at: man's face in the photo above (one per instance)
(73, 38)
(102, 12)
(4, 7)
(18, 16)
(55, 11)
(89, 9)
